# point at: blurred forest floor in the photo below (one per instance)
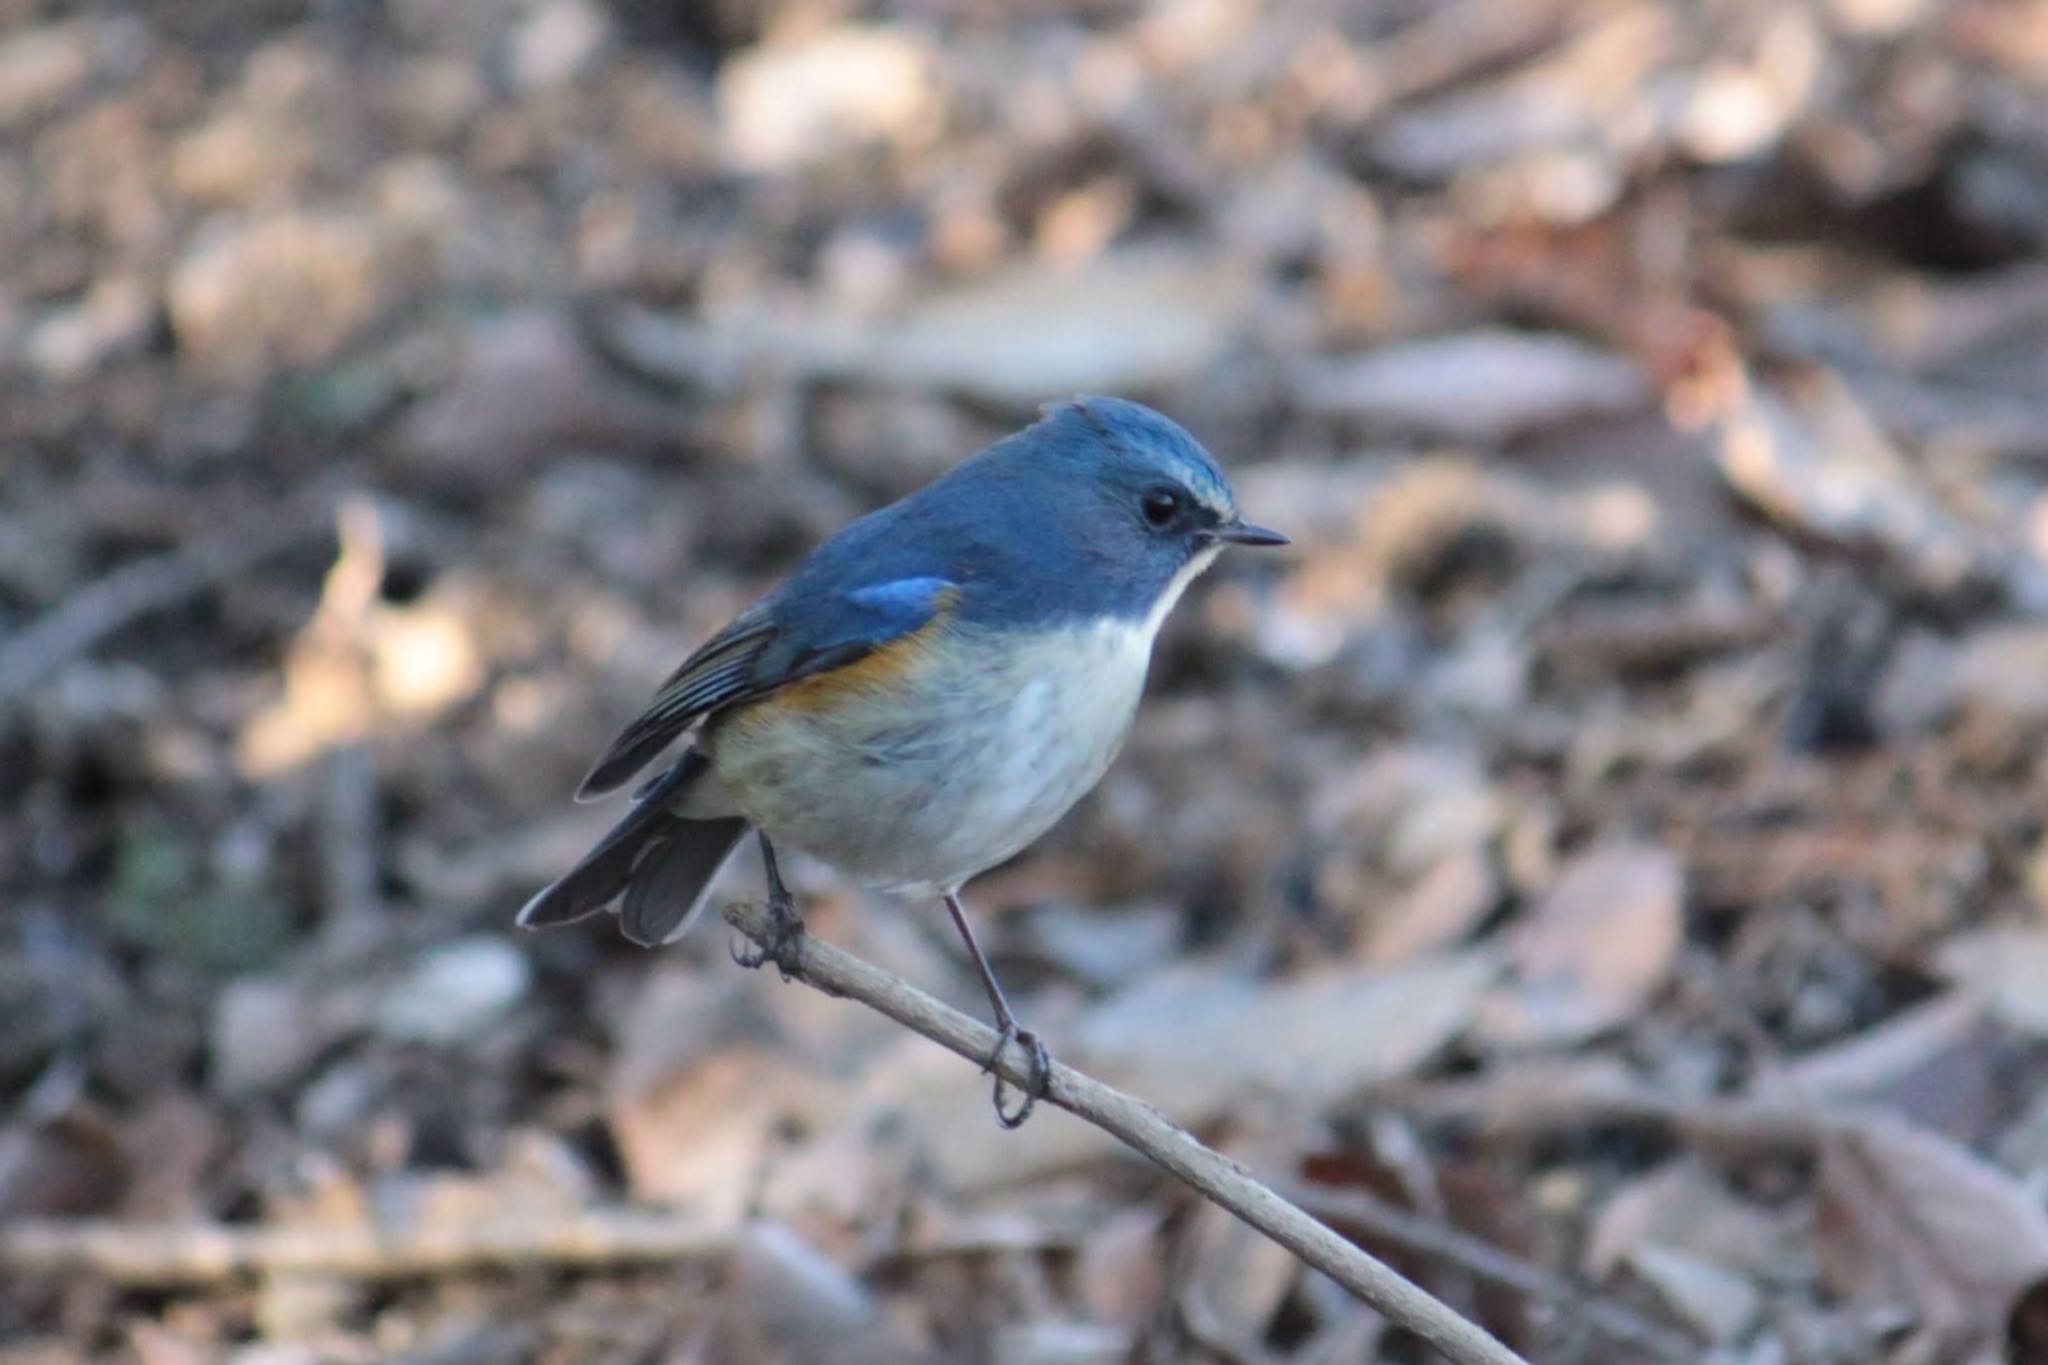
(1613, 838)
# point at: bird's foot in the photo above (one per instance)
(784, 944)
(1040, 1079)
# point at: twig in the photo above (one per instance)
(115, 601)
(1536, 1106)
(204, 1253)
(1487, 1262)
(1147, 1131)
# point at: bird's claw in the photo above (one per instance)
(782, 945)
(1035, 1088)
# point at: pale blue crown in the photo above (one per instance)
(1145, 442)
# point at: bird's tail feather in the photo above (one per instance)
(661, 861)
(668, 885)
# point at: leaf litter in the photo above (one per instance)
(1611, 840)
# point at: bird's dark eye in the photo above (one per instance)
(1161, 507)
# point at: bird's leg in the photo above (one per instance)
(788, 927)
(1006, 1025)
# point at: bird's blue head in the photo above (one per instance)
(1117, 507)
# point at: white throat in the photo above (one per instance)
(1188, 573)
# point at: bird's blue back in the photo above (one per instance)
(1037, 530)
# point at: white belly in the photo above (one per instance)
(974, 754)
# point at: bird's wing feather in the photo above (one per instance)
(779, 641)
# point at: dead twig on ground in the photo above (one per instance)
(205, 1253)
(1145, 1130)
(1541, 1105)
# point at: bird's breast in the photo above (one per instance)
(1065, 697)
(947, 761)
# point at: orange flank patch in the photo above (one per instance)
(870, 673)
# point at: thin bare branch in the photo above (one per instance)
(1148, 1132)
(1442, 1242)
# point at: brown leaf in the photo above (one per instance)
(1906, 1216)
(1696, 1245)
(1810, 457)
(69, 1165)
(1943, 1065)
(1593, 950)
(170, 1143)
(1133, 318)
(1193, 1037)
(289, 286)
(700, 1136)
(1434, 913)
(1418, 804)
(1235, 1279)
(782, 103)
(1121, 1273)
(2003, 965)
(1714, 1301)
(1684, 1205)
(789, 1300)
(1484, 386)
(1463, 1196)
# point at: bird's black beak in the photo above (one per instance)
(1238, 531)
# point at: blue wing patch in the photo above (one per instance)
(837, 631)
(780, 641)
(918, 597)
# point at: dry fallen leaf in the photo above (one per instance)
(788, 1300)
(699, 1137)
(782, 103)
(1190, 1039)
(1476, 386)
(1699, 1247)
(455, 991)
(1234, 1281)
(1944, 1064)
(1592, 951)
(1437, 910)
(2001, 673)
(290, 286)
(1908, 1217)
(170, 1143)
(1715, 1302)
(1121, 1272)
(1684, 1205)
(1130, 320)
(1811, 457)
(2004, 966)
(1414, 806)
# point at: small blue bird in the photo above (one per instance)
(929, 691)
